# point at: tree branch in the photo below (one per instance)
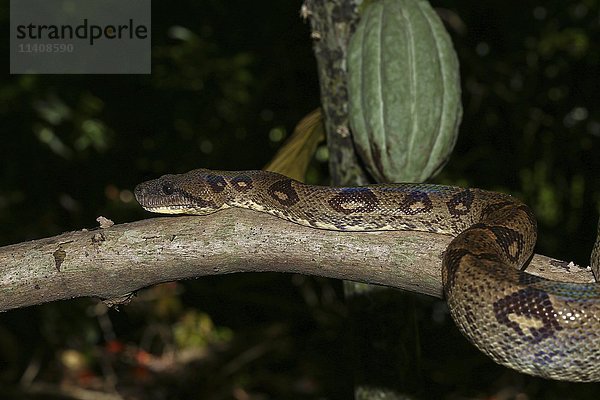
(332, 23)
(110, 263)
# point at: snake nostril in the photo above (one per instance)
(139, 192)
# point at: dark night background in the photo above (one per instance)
(229, 82)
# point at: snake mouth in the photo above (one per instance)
(177, 203)
(151, 200)
(174, 205)
(171, 209)
(164, 197)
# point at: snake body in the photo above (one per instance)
(536, 326)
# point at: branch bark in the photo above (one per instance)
(111, 263)
(332, 23)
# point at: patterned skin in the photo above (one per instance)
(536, 326)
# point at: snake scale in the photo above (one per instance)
(536, 326)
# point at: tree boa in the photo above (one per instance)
(534, 325)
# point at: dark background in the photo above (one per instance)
(228, 79)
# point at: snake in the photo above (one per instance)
(537, 326)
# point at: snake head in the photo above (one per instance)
(197, 192)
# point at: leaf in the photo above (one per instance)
(293, 157)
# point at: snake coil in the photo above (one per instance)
(534, 325)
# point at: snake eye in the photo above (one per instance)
(167, 188)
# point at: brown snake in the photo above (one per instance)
(534, 325)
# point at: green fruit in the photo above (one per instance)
(404, 91)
